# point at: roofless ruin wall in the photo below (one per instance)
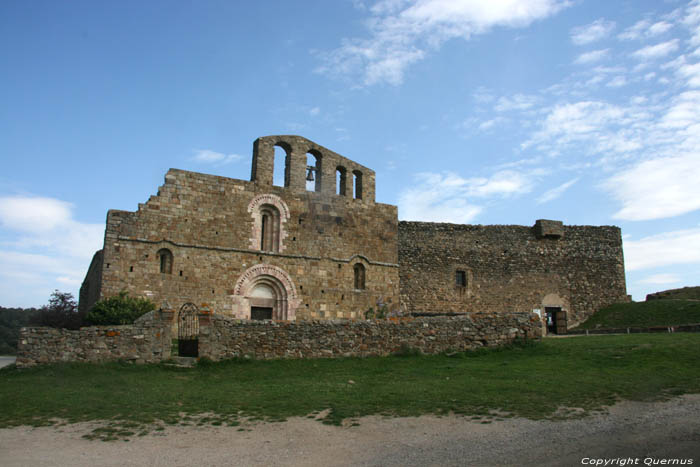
(506, 268)
(325, 252)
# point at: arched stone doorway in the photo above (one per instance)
(265, 292)
(555, 314)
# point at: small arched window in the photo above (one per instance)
(340, 180)
(165, 257)
(357, 175)
(359, 271)
(269, 228)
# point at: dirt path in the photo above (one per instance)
(7, 360)
(661, 430)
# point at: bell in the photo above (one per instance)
(310, 174)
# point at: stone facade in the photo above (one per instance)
(253, 250)
(510, 268)
(236, 245)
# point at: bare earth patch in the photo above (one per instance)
(659, 430)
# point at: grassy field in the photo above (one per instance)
(645, 314)
(539, 380)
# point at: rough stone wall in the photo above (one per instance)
(222, 337)
(215, 228)
(296, 148)
(92, 284)
(146, 341)
(510, 268)
(208, 224)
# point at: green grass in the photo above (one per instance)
(645, 314)
(686, 293)
(543, 380)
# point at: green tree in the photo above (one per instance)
(120, 309)
(61, 312)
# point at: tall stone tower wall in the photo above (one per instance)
(508, 268)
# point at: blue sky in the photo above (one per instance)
(482, 112)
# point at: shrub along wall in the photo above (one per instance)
(145, 341)
(222, 337)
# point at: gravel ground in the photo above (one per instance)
(651, 431)
(4, 361)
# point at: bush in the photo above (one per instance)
(121, 309)
(61, 312)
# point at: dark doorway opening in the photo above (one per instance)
(260, 312)
(556, 320)
(188, 331)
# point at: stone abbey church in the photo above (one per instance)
(253, 250)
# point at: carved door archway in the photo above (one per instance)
(269, 290)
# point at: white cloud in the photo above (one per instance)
(556, 192)
(488, 124)
(658, 188)
(448, 197)
(692, 22)
(690, 72)
(47, 223)
(617, 82)
(315, 111)
(595, 31)
(592, 56)
(652, 52)
(636, 31)
(669, 248)
(403, 32)
(645, 29)
(684, 111)
(33, 214)
(516, 102)
(659, 28)
(43, 248)
(661, 279)
(207, 156)
(601, 126)
(482, 95)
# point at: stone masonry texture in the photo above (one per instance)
(212, 226)
(146, 341)
(222, 337)
(510, 268)
(240, 251)
(226, 338)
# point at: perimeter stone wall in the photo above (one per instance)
(222, 337)
(146, 341)
(510, 268)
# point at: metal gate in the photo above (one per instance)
(188, 331)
